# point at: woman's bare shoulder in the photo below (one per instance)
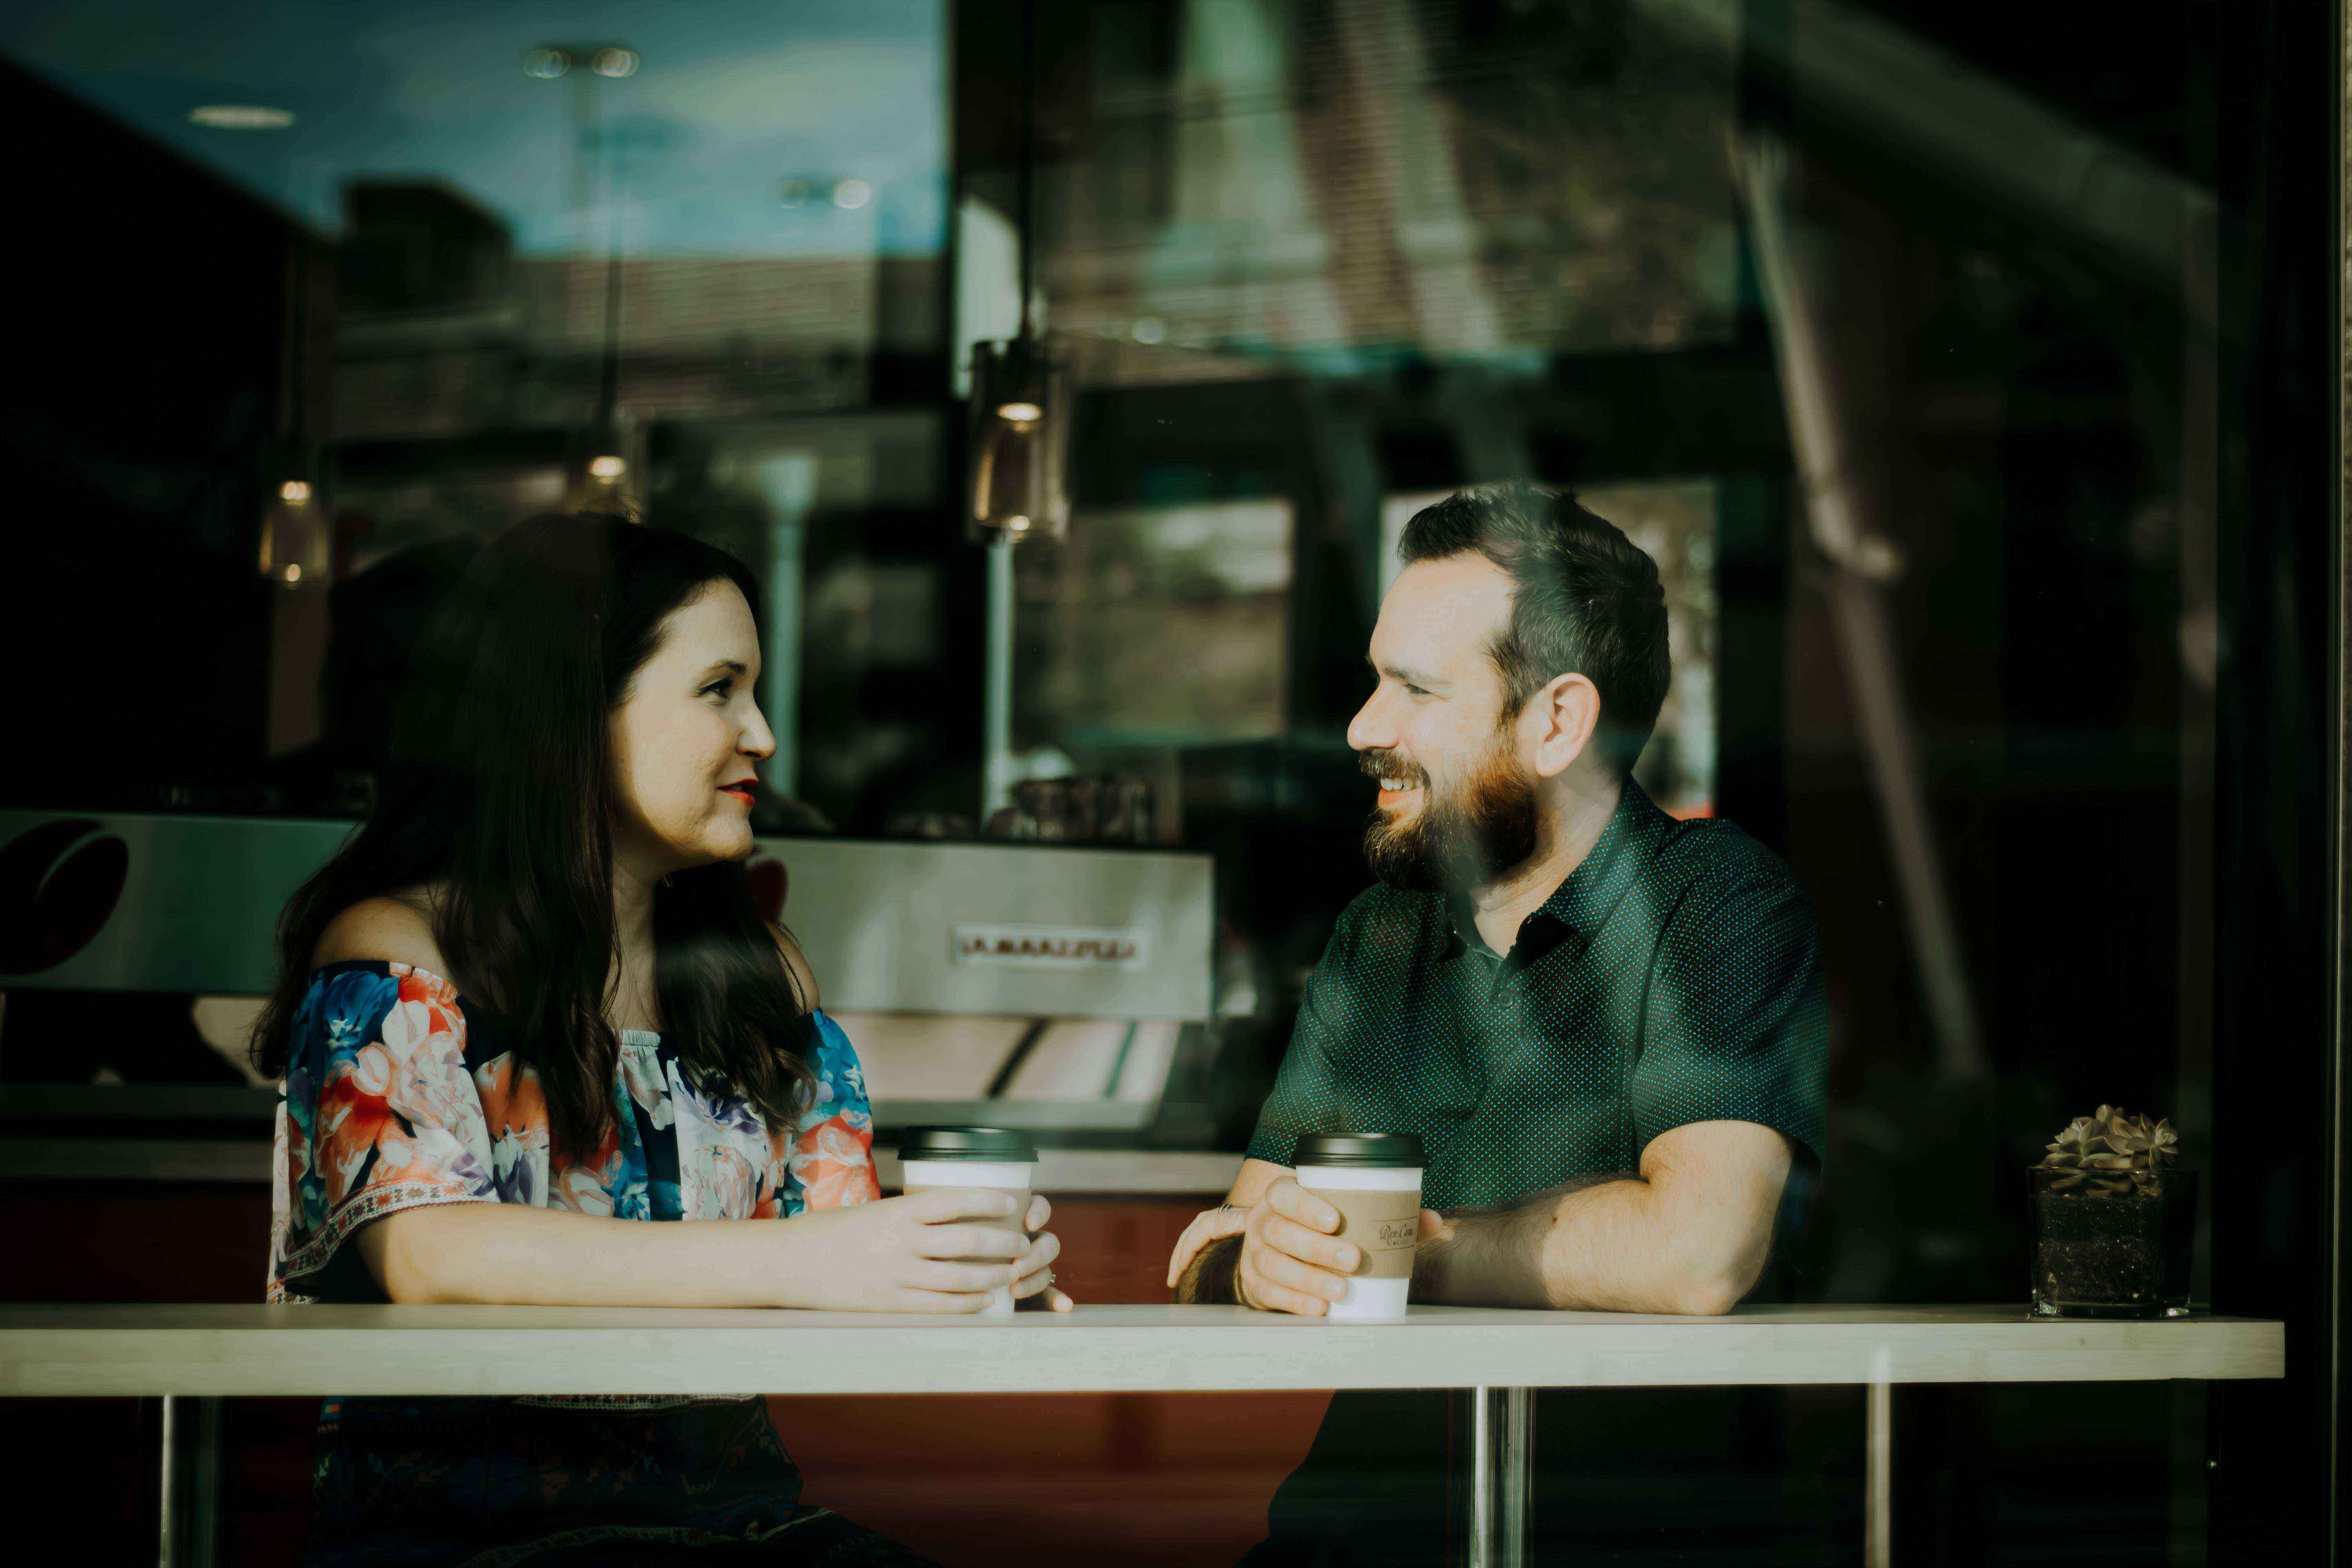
(397, 929)
(803, 976)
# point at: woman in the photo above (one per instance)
(529, 1007)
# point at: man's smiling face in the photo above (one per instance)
(1456, 798)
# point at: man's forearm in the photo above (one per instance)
(1582, 1244)
(1212, 1277)
(1689, 1234)
(1615, 1243)
(1619, 1246)
(1495, 1258)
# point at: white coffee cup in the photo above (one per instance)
(991, 1157)
(1373, 1179)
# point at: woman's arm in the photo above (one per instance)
(906, 1255)
(901, 1255)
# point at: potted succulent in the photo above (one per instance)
(2115, 1219)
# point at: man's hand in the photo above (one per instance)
(1209, 1226)
(1200, 1268)
(1269, 1245)
(1225, 1231)
(1291, 1260)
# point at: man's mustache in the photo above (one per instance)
(1390, 765)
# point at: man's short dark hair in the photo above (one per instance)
(1587, 601)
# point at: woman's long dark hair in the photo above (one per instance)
(499, 793)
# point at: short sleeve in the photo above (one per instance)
(379, 1115)
(830, 1162)
(1305, 1097)
(1735, 1028)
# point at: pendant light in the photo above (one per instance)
(1020, 389)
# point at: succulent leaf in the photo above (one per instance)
(2112, 1140)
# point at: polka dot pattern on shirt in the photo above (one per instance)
(1673, 977)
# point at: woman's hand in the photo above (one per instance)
(1033, 1273)
(916, 1254)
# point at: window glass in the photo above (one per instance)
(1968, 371)
(488, 262)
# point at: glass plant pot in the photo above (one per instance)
(2113, 1244)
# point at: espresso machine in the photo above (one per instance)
(1051, 987)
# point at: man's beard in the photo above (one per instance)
(1466, 840)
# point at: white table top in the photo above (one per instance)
(255, 1350)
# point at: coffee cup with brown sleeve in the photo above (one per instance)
(1373, 1179)
(992, 1157)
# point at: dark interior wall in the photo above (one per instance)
(146, 356)
(2279, 1098)
(2064, 823)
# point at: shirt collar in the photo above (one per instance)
(1585, 897)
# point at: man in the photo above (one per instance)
(1606, 1025)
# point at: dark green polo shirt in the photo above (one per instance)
(1673, 977)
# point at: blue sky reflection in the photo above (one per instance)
(734, 99)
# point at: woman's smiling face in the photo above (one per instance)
(686, 737)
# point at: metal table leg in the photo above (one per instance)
(188, 1491)
(1878, 1484)
(1502, 1448)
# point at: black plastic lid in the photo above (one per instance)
(1381, 1151)
(965, 1143)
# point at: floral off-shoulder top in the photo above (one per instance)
(400, 1095)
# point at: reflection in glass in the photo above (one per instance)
(1158, 626)
(1020, 441)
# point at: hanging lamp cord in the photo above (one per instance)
(1026, 195)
